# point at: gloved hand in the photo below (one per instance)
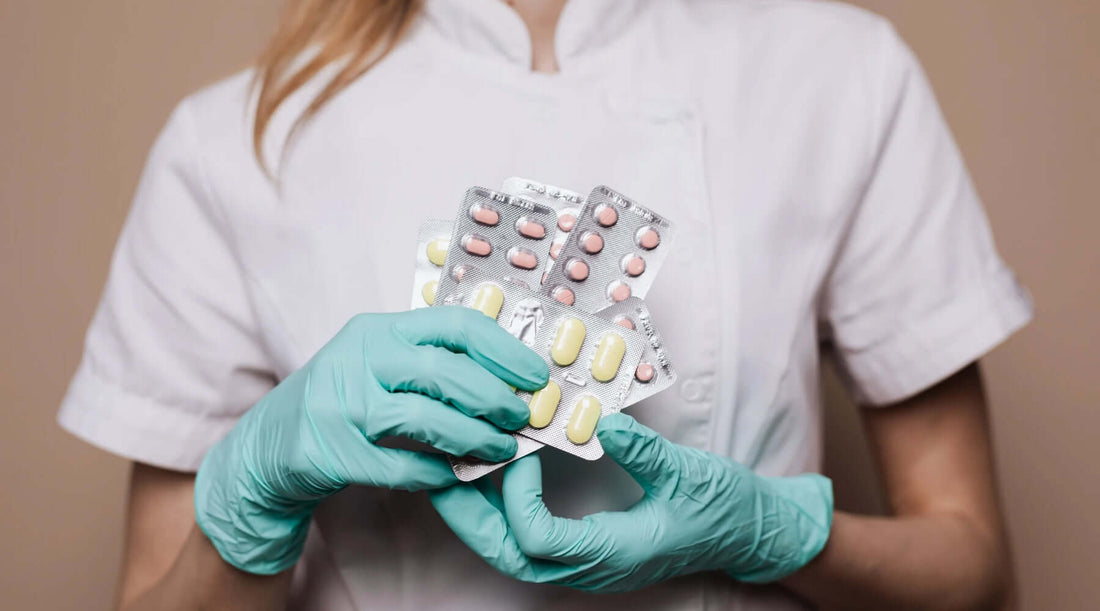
(428, 375)
(700, 512)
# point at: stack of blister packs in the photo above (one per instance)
(566, 276)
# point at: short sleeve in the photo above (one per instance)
(173, 356)
(917, 290)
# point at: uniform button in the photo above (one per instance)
(694, 389)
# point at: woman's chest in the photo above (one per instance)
(341, 239)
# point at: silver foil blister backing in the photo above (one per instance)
(427, 272)
(534, 319)
(620, 242)
(504, 238)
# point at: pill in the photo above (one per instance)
(484, 214)
(476, 245)
(522, 258)
(543, 404)
(544, 276)
(582, 423)
(531, 229)
(608, 357)
(647, 237)
(618, 291)
(624, 321)
(564, 295)
(644, 373)
(487, 299)
(428, 292)
(606, 215)
(566, 221)
(632, 265)
(576, 269)
(459, 271)
(437, 251)
(591, 242)
(554, 250)
(567, 342)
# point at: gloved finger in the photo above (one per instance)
(540, 534)
(444, 428)
(639, 450)
(456, 380)
(478, 523)
(400, 469)
(491, 493)
(461, 329)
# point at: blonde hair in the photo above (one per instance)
(357, 33)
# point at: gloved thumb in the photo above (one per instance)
(639, 450)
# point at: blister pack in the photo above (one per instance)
(505, 236)
(612, 253)
(432, 243)
(592, 361)
(566, 203)
(653, 374)
(469, 469)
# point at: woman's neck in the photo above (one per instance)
(541, 17)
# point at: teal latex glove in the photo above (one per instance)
(430, 375)
(700, 512)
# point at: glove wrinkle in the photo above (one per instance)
(700, 512)
(312, 435)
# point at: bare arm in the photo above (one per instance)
(168, 562)
(944, 547)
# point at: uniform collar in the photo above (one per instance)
(492, 28)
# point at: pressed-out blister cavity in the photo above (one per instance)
(592, 361)
(504, 235)
(612, 253)
(567, 204)
(432, 242)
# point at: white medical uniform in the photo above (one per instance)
(819, 196)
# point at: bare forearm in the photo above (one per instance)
(940, 561)
(200, 579)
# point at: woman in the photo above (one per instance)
(822, 205)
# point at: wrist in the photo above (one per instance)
(250, 530)
(795, 515)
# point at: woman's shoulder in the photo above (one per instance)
(833, 44)
(821, 14)
(207, 139)
(221, 108)
(820, 27)
(212, 128)
(233, 91)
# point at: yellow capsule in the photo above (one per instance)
(567, 342)
(609, 354)
(583, 421)
(437, 251)
(488, 300)
(543, 404)
(428, 292)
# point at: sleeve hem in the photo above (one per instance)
(138, 428)
(945, 342)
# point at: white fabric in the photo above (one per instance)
(818, 192)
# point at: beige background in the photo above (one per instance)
(86, 86)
